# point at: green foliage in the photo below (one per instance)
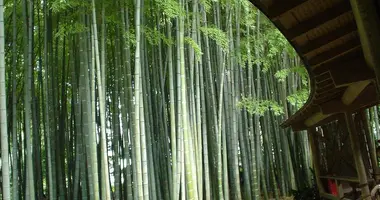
(170, 8)
(300, 70)
(195, 46)
(270, 43)
(217, 35)
(206, 4)
(244, 52)
(299, 98)
(259, 107)
(250, 21)
(266, 63)
(154, 36)
(291, 52)
(62, 5)
(130, 38)
(276, 42)
(282, 74)
(59, 5)
(114, 19)
(247, 6)
(70, 28)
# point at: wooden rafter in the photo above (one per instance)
(326, 90)
(325, 87)
(325, 76)
(318, 20)
(325, 83)
(326, 66)
(280, 7)
(335, 52)
(352, 71)
(327, 39)
(328, 94)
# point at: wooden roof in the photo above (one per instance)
(324, 34)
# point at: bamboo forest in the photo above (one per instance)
(149, 99)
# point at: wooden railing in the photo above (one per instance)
(338, 181)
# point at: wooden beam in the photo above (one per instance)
(353, 91)
(358, 158)
(321, 98)
(336, 106)
(351, 71)
(372, 150)
(325, 76)
(367, 19)
(342, 178)
(332, 93)
(335, 52)
(315, 119)
(330, 37)
(318, 20)
(336, 95)
(325, 66)
(351, 76)
(333, 106)
(327, 120)
(315, 157)
(365, 100)
(325, 83)
(325, 88)
(280, 7)
(298, 126)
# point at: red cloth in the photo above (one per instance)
(332, 187)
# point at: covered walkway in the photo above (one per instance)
(339, 43)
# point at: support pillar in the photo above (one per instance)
(371, 148)
(358, 158)
(315, 157)
(368, 24)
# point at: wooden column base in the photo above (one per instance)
(358, 158)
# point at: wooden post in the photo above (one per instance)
(356, 152)
(315, 158)
(371, 148)
(368, 24)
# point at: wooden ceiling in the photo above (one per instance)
(324, 34)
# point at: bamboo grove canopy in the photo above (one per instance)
(154, 84)
(325, 35)
(135, 99)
